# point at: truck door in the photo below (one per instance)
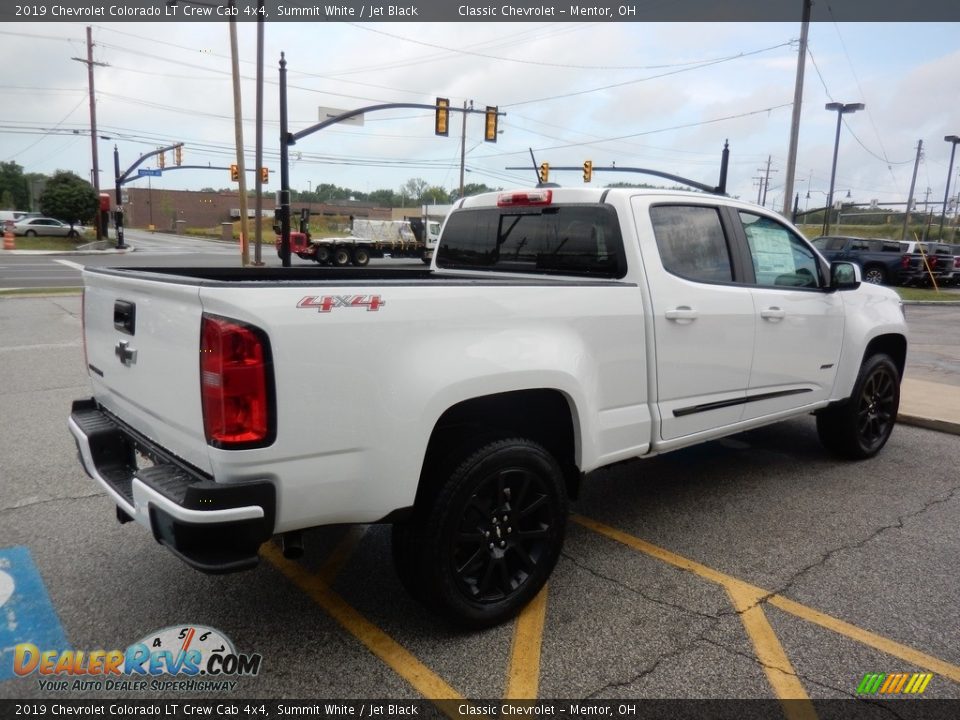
(799, 326)
(703, 319)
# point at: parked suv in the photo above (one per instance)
(880, 260)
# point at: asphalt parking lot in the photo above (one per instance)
(752, 567)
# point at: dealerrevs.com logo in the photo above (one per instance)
(894, 683)
(179, 657)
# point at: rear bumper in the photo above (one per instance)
(213, 527)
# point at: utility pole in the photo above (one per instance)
(238, 131)
(766, 182)
(258, 153)
(759, 179)
(797, 104)
(93, 124)
(913, 185)
(463, 144)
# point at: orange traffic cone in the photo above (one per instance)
(8, 242)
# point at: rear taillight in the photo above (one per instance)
(956, 262)
(236, 384)
(905, 262)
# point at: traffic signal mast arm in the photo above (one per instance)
(720, 189)
(293, 137)
(125, 177)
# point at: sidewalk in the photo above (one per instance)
(930, 405)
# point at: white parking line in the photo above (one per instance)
(70, 263)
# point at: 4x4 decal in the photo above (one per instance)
(326, 303)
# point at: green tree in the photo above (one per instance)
(413, 189)
(384, 197)
(435, 195)
(68, 197)
(470, 189)
(14, 191)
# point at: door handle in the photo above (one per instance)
(773, 313)
(681, 314)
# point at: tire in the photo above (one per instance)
(426, 261)
(341, 256)
(361, 256)
(322, 255)
(483, 545)
(875, 275)
(859, 427)
(31, 233)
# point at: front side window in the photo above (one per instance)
(779, 257)
(563, 239)
(692, 243)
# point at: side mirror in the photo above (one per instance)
(844, 276)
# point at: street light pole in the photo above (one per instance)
(841, 109)
(953, 139)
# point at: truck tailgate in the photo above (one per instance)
(142, 345)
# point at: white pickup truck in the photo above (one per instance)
(558, 331)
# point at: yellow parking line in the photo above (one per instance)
(927, 662)
(523, 676)
(341, 553)
(780, 673)
(668, 557)
(878, 642)
(399, 659)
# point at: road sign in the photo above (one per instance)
(147, 172)
(327, 113)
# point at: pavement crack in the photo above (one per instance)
(807, 681)
(652, 668)
(47, 501)
(898, 524)
(657, 601)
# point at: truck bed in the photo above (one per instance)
(310, 276)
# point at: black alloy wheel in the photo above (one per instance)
(483, 544)
(859, 427)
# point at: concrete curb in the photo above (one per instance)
(944, 426)
(932, 303)
(112, 251)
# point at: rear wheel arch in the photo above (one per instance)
(545, 416)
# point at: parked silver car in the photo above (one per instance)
(34, 226)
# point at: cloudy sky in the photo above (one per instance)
(630, 94)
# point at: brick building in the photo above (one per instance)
(198, 209)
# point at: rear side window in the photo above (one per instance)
(563, 239)
(692, 243)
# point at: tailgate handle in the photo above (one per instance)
(125, 317)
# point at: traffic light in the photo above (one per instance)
(264, 175)
(544, 172)
(490, 124)
(234, 173)
(161, 160)
(178, 155)
(441, 124)
(587, 170)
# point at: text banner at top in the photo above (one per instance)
(456, 11)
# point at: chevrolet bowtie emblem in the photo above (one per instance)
(127, 355)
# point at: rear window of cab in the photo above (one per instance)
(580, 240)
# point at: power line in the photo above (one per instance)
(649, 77)
(543, 63)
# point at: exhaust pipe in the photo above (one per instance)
(292, 544)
